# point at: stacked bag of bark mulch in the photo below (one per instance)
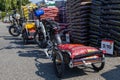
(105, 22)
(62, 15)
(79, 21)
(95, 23)
(50, 12)
(68, 12)
(111, 21)
(62, 10)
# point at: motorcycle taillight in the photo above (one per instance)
(103, 51)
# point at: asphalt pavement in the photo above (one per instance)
(28, 62)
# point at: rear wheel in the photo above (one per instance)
(14, 31)
(98, 66)
(25, 37)
(58, 64)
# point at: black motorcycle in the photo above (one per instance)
(15, 28)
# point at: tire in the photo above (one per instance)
(24, 37)
(14, 31)
(39, 39)
(58, 66)
(98, 68)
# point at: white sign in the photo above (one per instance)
(108, 46)
(67, 38)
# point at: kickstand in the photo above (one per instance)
(46, 53)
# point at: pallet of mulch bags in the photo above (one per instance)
(80, 20)
(82, 6)
(111, 6)
(50, 12)
(80, 38)
(112, 12)
(76, 40)
(97, 2)
(80, 24)
(111, 1)
(95, 27)
(79, 27)
(112, 17)
(81, 31)
(116, 28)
(95, 21)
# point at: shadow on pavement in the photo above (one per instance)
(17, 43)
(46, 70)
(112, 74)
(17, 40)
(75, 72)
(32, 53)
(10, 38)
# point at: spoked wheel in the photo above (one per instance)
(14, 31)
(39, 39)
(58, 64)
(24, 37)
(98, 66)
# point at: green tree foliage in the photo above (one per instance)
(2, 5)
(6, 5)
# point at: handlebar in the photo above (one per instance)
(54, 25)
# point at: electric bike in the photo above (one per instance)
(42, 35)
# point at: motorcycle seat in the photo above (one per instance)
(30, 26)
(76, 49)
